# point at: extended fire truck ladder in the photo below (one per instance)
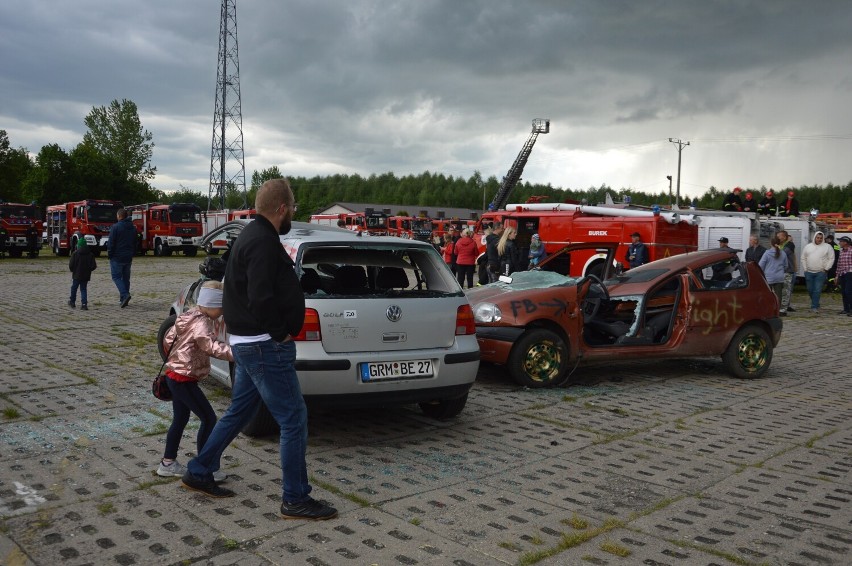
(539, 126)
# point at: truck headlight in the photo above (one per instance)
(487, 312)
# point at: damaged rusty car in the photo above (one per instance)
(540, 323)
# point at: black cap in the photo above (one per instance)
(636, 234)
(723, 239)
(845, 239)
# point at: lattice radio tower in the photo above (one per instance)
(227, 147)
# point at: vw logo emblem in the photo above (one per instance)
(394, 313)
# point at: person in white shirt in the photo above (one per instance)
(817, 259)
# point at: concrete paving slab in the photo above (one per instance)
(499, 524)
(628, 547)
(791, 495)
(367, 536)
(747, 534)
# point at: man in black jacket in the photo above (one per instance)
(120, 250)
(264, 309)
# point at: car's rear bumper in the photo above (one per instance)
(328, 375)
(388, 398)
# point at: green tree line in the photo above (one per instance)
(113, 161)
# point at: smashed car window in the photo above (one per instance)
(536, 279)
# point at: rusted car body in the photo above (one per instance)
(699, 304)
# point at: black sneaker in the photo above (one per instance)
(83, 307)
(791, 309)
(124, 301)
(311, 510)
(71, 304)
(210, 488)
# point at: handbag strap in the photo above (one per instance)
(167, 353)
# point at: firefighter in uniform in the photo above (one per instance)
(733, 202)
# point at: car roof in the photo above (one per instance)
(689, 260)
(307, 232)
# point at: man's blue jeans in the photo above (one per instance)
(120, 272)
(264, 370)
(814, 282)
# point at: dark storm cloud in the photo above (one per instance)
(451, 86)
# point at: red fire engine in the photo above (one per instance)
(22, 226)
(413, 227)
(328, 219)
(212, 219)
(374, 222)
(89, 219)
(166, 228)
(557, 224)
(441, 226)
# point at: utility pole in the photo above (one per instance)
(227, 142)
(680, 145)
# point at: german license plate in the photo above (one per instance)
(375, 371)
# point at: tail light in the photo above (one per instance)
(311, 328)
(464, 321)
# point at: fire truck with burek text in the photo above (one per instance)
(167, 228)
(559, 224)
(88, 219)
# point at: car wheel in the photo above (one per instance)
(262, 423)
(158, 248)
(56, 247)
(444, 408)
(167, 251)
(191, 251)
(162, 347)
(538, 359)
(750, 352)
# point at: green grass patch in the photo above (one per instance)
(414, 521)
(105, 508)
(11, 413)
(576, 522)
(509, 546)
(615, 549)
(357, 499)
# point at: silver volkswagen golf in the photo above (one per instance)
(386, 323)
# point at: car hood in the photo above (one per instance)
(522, 282)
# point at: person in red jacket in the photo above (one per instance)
(466, 252)
(448, 250)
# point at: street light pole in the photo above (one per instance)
(680, 145)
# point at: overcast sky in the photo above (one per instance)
(762, 90)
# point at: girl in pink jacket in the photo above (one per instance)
(190, 343)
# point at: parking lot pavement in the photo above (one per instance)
(668, 462)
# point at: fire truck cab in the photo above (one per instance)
(166, 228)
(559, 225)
(89, 219)
(22, 226)
(372, 222)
